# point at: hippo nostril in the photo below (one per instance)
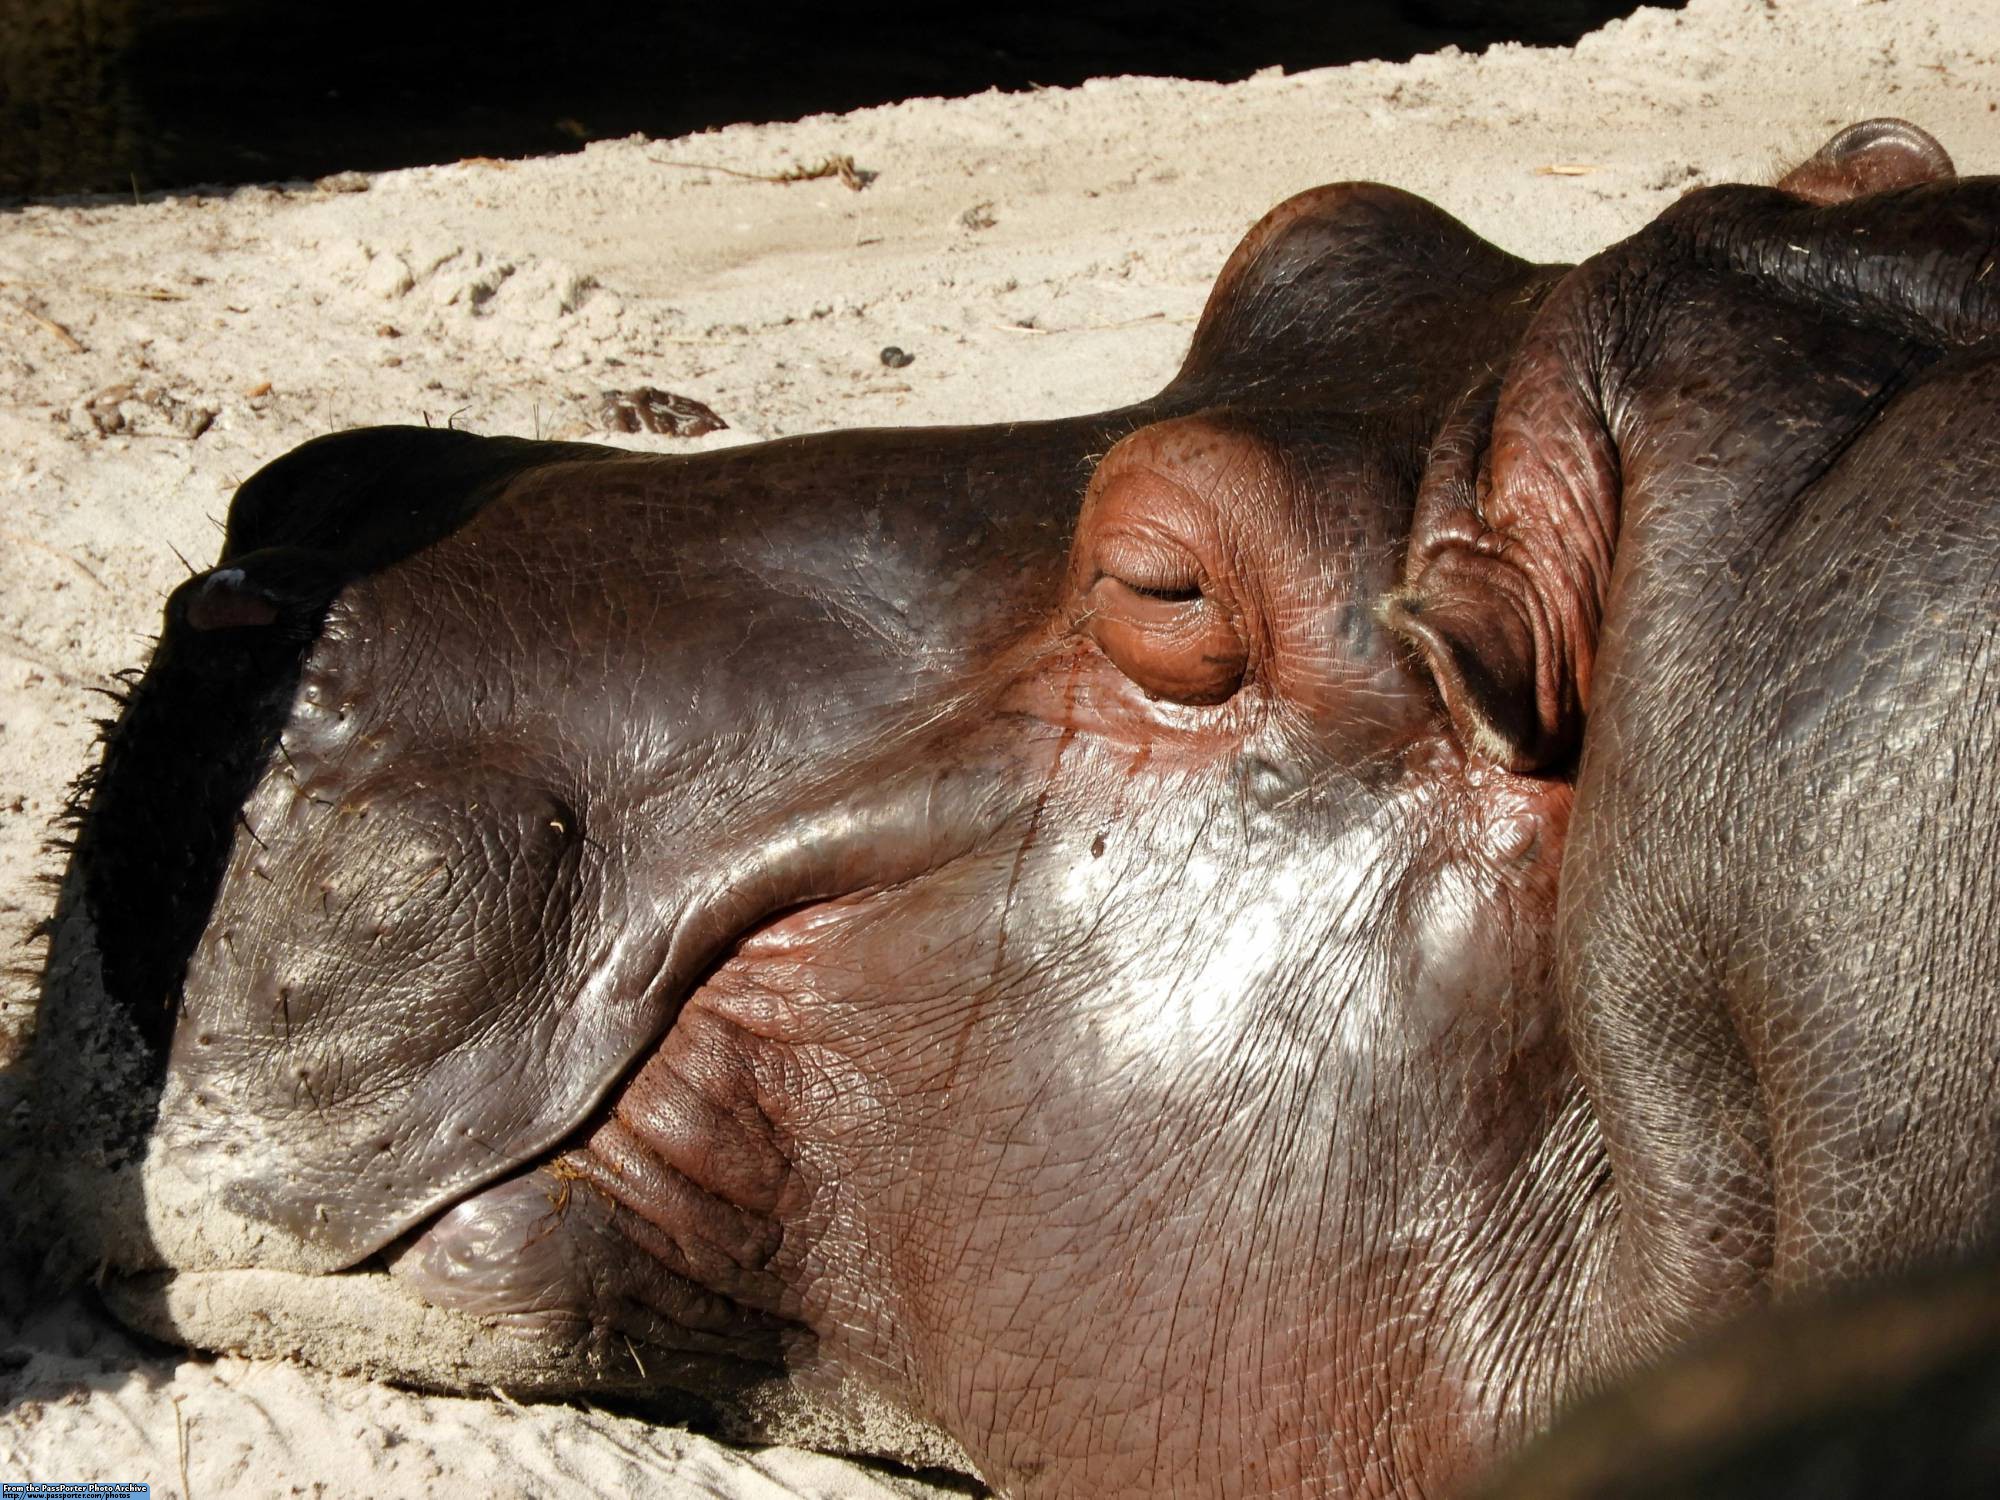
(225, 600)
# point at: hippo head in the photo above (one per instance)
(985, 930)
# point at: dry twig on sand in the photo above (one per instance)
(21, 539)
(50, 325)
(181, 1443)
(1036, 328)
(144, 293)
(842, 167)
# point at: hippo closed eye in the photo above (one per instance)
(1255, 943)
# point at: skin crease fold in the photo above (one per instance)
(1252, 944)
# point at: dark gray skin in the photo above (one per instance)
(1888, 1392)
(989, 921)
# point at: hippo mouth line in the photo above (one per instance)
(765, 951)
(766, 960)
(531, 1283)
(449, 1300)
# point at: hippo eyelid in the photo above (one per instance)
(1173, 642)
(1185, 594)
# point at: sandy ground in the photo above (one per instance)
(1037, 254)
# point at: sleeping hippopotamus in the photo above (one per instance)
(1256, 943)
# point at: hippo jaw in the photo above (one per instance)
(624, 960)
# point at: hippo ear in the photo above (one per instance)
(1356, 294)
(1871, 157)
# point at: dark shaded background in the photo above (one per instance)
(113, 95)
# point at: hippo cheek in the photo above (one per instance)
(757, 1165)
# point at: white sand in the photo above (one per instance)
(518, 292)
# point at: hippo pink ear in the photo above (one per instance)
(1874, 156)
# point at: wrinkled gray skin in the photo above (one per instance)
(1253, 944)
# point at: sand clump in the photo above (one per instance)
(1028, 255)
